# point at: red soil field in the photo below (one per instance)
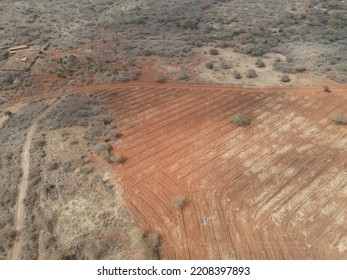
(276, 189)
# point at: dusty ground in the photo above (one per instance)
(267, 76)
(273, 190)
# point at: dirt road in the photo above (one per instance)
(23, 188)
(22, 191)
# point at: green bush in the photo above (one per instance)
(209, 65)
(326, 88)
(8, 113)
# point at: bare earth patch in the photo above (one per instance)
(254, 192)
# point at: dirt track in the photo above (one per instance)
(274, 190)
(23, 189)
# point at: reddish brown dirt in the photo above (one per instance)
(276, 189)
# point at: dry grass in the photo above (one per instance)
(147, 243)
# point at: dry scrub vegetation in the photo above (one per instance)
(73, 208)
(12, 135)
(106, 38)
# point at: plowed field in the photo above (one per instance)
(276, 189)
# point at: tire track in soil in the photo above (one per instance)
(148, 135)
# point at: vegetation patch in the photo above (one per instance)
(339, 118)
(241, 120)
(147, 242)
(179, 202)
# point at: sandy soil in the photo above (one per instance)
(273, 190)
(267, 76)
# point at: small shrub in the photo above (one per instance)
(183, 76)
(121, 159)
(225, 65)
(61, 257)
(52, 165)
(326, 88)
(102, 147)
(237, 75)
(106, 119)
(160, 79)
(251, 73)
(339, 118)
(38, 144)
(147, 242)
(209, 65)
(300, 68)
(112, 136)
(179, 202)
(285, 78)
(240, 120)
(147, 52)
(213, 52)
(8, 113)
(260, 63)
